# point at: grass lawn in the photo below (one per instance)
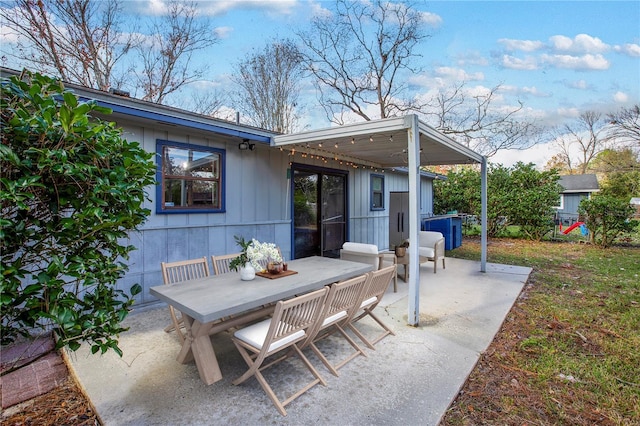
(569, 350)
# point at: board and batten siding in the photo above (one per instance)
(257, 205)
(372, 227)
(255, 188)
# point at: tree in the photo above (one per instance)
(532, 198)
(625, 125)
(459, 191)
(71, 189)
(269, 86)
(521, 195)
(78, 40)
(606, 218)
(584, 138)
(166, 57)
(474, 120)
(357, 56)
(618, 173)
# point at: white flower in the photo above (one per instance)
(257, 251)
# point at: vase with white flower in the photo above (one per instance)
(254, 257)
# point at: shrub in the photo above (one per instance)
(71, 188)
(606, 218)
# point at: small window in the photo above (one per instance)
(377, 192)
(190, 178)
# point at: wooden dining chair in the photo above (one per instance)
(343, 298)
(283, 332)
(371, 297)
(175, 272)
(221, 263)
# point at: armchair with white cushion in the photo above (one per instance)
(368, 253)
(431, 246)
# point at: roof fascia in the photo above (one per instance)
(344, 131)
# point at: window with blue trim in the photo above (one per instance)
(190, 178)
(377, 192)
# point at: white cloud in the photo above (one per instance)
(582, 43)
(457, 74)
(630, 49)
(223, 32)
(218, 7)
(568, 112)
(538, 154)
(579, 84)
(431, 19)
(523, 45)
(620, 97)
(527, 63)
(584, 62)
(525, 90)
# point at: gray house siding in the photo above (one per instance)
(372, 227)
(257, 205)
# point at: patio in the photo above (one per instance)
(410, 378)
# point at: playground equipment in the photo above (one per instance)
(574, 226)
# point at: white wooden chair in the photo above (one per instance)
(174, 272)
(368, 253)
(221, 263)
(283, 332)
(343, 299)
(371, 297)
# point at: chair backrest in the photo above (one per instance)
(361, 252)
(292, 317)
(378, 282)
(429, 238)
(173, 272)
(221, 263)
(342, 300)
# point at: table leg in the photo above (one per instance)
(197, 346)
(406, 271)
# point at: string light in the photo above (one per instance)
(352, 141)
(391, 138)
(370, 138)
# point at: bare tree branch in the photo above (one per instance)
(166, 62)
(357, 57)
(78, 40)
(625, 125)
(473, 120)
(269, 86)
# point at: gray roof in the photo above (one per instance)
(579, 183)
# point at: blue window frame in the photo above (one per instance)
(377, 192)
(190, 178)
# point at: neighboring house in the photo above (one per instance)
(218, 179)
(575, 189)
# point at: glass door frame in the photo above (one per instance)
(320, 171)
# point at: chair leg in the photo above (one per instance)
(334, 368)
(255, 369)
(366, 341)
(443, 267)
(176, 325)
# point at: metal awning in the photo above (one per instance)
(379, 143)
(388, 143)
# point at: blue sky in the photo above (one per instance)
(558, 57)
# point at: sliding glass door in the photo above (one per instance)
(319, 211)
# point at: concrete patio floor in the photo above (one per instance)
(411, 378)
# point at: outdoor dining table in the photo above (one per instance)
(205, 301)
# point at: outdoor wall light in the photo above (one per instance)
(244, 145)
